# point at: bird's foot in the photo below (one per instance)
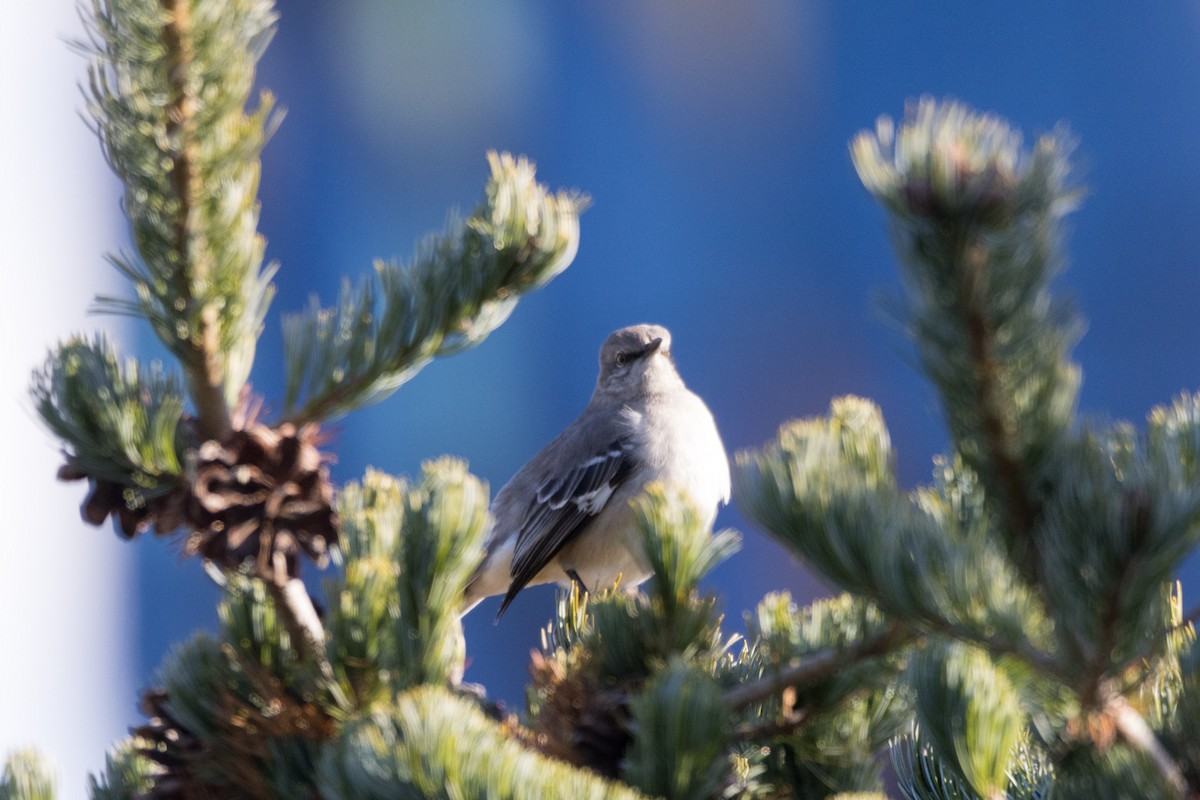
(578, 581)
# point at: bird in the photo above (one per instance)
(565, 517)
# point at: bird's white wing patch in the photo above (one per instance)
(563, 506)
(591, 502)
(584, 484)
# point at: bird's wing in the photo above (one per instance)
(561, 507)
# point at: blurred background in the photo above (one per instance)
(712, 138)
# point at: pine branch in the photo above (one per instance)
(299, 617)
(430, 744)
(168, 86)
(921, 775)
(679, 548)
(620, 653)
(1098, 654)
(1095, 522)
(243, 719)
(203, 355)
(410, 550)
(119, 422)
(855, 705)
(439, 545)
(977, 225)
(970, 710)
(127, 775)
(816, 668)
(26, 777)
(1132, 728)
(361, 623)
(1183, 733)
(1042, 662)
(1115, 528)
(826, 488)
(970, 265)
(279, 640)
(680, 735)
(786, 725)
(458, 289)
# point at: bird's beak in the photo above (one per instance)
(652, 346)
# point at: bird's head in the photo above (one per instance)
(635, 360)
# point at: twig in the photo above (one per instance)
(294, 609)
(1102, 652)
(1019, 507)
(1132, 727)
(773, 728)
(1009, 470)
(203, 362)
(1020, 649)
(815, 668)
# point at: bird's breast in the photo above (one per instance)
(683, 448)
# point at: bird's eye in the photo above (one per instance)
(622, 359)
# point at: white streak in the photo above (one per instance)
(592, 502)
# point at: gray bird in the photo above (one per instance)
(565, 516)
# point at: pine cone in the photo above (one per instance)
(230, 754)
(580, 721)
(171, 746)
(262, 493)
(130, 508)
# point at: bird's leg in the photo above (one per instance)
(578, 581)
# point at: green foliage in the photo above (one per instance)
(832, 746)
(679, 726)
(1118, 772)
(835, 753)
(225, 726)
(206, 691)
(128, 775)
(569, 625)
(977, 226)
(680, 548)
(1115, 528)
(1174, 440)
(632, 635)
(410, 551)
(833, 722)
(364, 598)
(921, 775)
(782, 633)
(970, 712)
(1035, 564)
(459, 288)
(252, 627)
(629, 682)
(168, 87)
(1181, 695)
(826, 489)
(816, 472)
(118, 421)
(430, 744)
(440, 545)
(26, 777)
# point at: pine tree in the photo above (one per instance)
(1008, 631)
